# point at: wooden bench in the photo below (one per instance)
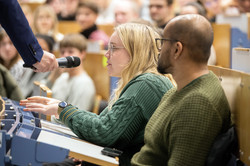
(65, 27)
(222, 44)
(73, 27)
(236, 85)
(95, 65)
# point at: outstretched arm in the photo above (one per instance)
(13, 20)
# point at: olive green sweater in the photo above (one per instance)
(183, 128)
(123, 126)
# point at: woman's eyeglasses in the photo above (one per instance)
(111, 48)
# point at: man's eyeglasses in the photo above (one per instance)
(159, 42)
(111, 48)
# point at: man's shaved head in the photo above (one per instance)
(194, 32)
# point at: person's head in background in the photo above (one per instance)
(8, 53)
(101, 4)
(56, 5)
(86, 14)
(213, 8)
(148, 23)
(73, 45)
(181, 3)
(46, 22)
(68, 9)
(125, 11)
(46, 42)
(193, 8)
(243, 5)
(161, 11)
(28, 13)
(132, 51)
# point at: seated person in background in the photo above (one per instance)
(243, 5)
(8, 85)
(86, 16)
(106, 11)
(213, 8)
(132, 56)
(125, 11)
(197, 8)
(29, 76)
(68, 10)
(161, 11)
(189, 117)
(73, 85)
(46, 23)
(10, 58)
(56, 5)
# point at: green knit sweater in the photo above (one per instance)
(183, 128)
(123, 126)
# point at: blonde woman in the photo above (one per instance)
(46, 22)
(132, 56)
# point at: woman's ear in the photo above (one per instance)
(178, 49)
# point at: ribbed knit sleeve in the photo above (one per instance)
(126, 121)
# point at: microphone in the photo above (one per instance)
(69, 62)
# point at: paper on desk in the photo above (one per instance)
(56, 127)
(75, 145)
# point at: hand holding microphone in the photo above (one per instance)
(49, 63)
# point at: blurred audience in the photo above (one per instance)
(68, 10)
(243, 5)
(29, 76)
(213, 8)
(106, 11)
(8, 85)
(87, 13)
(178, 4)
(10, 58)
(125, 11)
(46, 22)
(161, 11)
(193, 8)
(56, 5)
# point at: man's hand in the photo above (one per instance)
(48, 63)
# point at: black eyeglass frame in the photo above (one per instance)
(161, 42)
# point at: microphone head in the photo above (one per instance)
(73, 61)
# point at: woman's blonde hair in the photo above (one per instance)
(48, 10)
(139, 41)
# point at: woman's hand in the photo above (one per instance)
(44, 105)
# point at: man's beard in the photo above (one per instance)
(164, 68)
(160, 69)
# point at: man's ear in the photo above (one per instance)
(178, 49)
